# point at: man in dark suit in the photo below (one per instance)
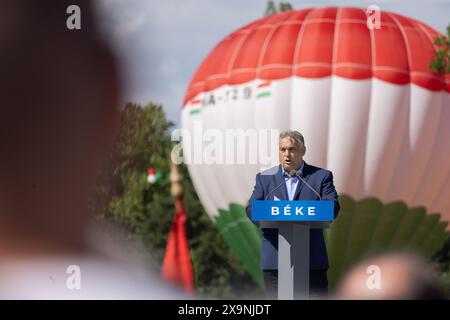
(291, 151)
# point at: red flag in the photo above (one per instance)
(176, 265)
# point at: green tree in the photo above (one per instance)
(146, 210)
(285, 6)
(441, 261)
(271, 8)
(441, 62)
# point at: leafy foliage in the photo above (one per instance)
(441, 62)
(272, 9)
(146, 210)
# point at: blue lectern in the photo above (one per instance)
(293, 219)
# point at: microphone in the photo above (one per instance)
(299, 175)
(292, 174)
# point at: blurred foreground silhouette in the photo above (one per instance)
(59, 105)
(394, 276)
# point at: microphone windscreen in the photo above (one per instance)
(292, 173)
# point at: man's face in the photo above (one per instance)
(291, 154)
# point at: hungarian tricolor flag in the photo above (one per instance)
(153, 175)
(176, 265)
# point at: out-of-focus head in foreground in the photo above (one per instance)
(59, 107)
(400, 276)
(59, 101)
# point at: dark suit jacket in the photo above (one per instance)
(322, 181)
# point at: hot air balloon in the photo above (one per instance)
(371, 111)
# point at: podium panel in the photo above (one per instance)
(293, 219)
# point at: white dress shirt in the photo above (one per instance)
(291, 184)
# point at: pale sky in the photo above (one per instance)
(161, 43)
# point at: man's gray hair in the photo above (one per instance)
(297, 136)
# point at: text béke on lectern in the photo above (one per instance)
(293, 219)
